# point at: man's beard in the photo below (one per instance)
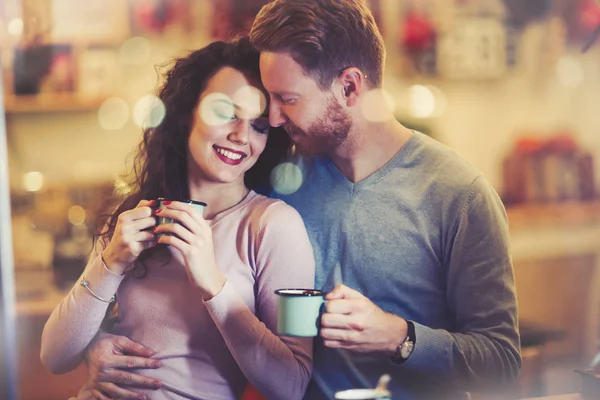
(325, 134)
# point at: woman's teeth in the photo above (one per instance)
(229, 154)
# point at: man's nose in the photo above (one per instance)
(240, 131)
(276, 115)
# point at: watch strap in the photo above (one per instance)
(410, 337)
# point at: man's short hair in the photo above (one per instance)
(323, 36)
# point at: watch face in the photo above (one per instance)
(406, 349)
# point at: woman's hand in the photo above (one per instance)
(130, 238)
(193, 238)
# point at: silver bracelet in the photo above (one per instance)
(86, 285)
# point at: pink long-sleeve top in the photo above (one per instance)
(209, 349)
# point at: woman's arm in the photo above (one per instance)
(279, 367)
(76, 320)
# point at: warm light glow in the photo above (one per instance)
(76, 215)
(377, 105)
(33, 181)
(286, 178)
(113, 113)
(15, 27)
(135, 51)
(216, 109)
(421, 101)
(149, 112)
(251, 101)
(121, 187)
(569, 72)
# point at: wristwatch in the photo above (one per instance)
(405, 349)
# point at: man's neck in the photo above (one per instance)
(369, 148)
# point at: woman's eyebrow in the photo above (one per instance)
(237, 108)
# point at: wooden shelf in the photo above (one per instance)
(63, 102)
(567, 213)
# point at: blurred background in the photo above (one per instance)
(511, 85)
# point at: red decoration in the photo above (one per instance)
(418, 33)
(156, 15)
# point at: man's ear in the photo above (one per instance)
(353, 83)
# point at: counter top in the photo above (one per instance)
(573, 396)
(567, 213)
(36, 293)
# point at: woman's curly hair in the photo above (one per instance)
(160, 164)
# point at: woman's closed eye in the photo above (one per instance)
(224, 111)
(260, 125)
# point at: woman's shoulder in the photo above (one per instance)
(266, 208)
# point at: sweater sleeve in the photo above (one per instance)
(279, 367)
(482, 350)
(76, 320)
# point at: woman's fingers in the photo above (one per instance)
(146, 203)
(183, 233)
(140, 212)
(188, 217)
(138, 225)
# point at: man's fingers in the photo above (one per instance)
(132, 362)
(343, 292)
(341, 306)
(129, 379)
(96, 395)
(339, 321)
(90, 394)
(339, 335)
(117, 393)
(128, 346)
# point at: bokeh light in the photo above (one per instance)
(377, 105)
(76, 215)
(149, 112)
(421, 101)
(569, 72)
(286, 178)
(251, 101)
(121, 188)
(15, 27)
(216, 109)
(113, 113)
(33, 181)
(135, 51)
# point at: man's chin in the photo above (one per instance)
(310, 149)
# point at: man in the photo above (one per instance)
(411, 242)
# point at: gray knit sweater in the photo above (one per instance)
(425, 238)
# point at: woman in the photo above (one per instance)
(203, 298)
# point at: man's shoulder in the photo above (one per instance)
(434, 161)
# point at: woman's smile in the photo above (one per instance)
(229, 156)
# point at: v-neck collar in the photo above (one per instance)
(377, 175)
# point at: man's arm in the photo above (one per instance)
(482, 349)
(109, 359)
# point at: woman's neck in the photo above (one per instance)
(217, 196)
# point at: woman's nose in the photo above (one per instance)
(239, 133)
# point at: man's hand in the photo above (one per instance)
(87, 393)
(353, 322)
(109, 358)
